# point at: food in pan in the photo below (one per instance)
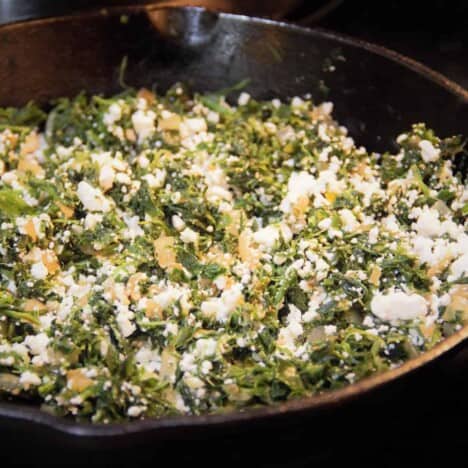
(167, 254)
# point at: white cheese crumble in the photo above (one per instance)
(133, 224)
(178, 223)
(189, 236)
(143, 123)
(297, 102)
(124, 320)
(28, 379)
(212, 117)
(39, 271)
(243, 99)
(221, 307)
(37, 344)
(267, 237)
(300, 184)
(396, 306)
(330, 329)
(92, 220)
(157, 179)
(148, 358)
(349, 220)
(192, 126)
(205, 348)
(428, 152)
(325, 224)
(92, 198)
(136, 411)
(287, 335)
(459, 268)
(428, 223)
(113, 114)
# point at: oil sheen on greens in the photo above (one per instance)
(170, 254)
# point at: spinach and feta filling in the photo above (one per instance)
(167, 254)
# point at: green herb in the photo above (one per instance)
(12, 203)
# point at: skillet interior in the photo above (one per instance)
(377, 95)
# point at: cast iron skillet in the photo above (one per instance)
(377, 95)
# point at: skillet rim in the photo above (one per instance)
(86, 430)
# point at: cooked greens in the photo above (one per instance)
(167, 254)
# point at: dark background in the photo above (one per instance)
(433, 32)
(424, 424)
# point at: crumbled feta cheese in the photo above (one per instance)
(92, 198)
(180, 403)
(401, 138)
(349, 220)
(267, 237)
(148, 358)
(122, 178)
(192, 126)
(124, 321)
(428, 152)
(206, 367)
(368, 321)
(243, 99)
(221, 307)
(28, 379)
(216, 192)
(288, 335)
(187, 363)
(374, 235)
(322, 133)
(134, 230)
(326, 107)
(189, 236)
(178, 223)
(297, 102)
(390, 223)
(350, 377)
(37, 344)
(136, 411)
(286, 232)
(428, 223)
(143, 161)
(301, 184)
(113, 114)
(171, 329)
(220, 282)
(430, 251)
(325, 223)
(396, 306)
(157, 179)
(459, 268)
(39, 271)
(143, 123)
(92, 220)
(212, 117)
(276, 103)
(205, 347)
(168, 296)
